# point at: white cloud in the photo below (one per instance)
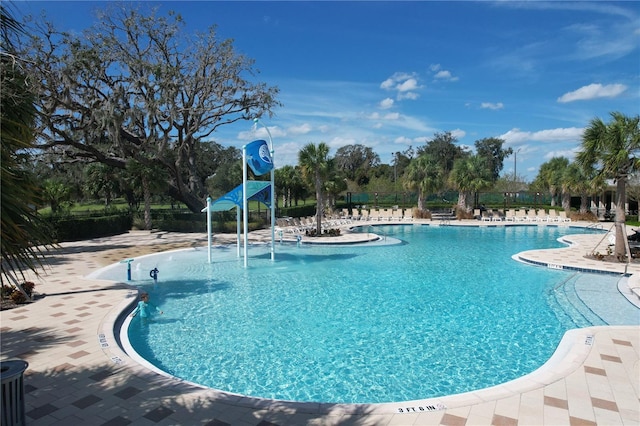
(516, 136)
(593, 91)
(445, 76)
(386, 103)
(302, 129)
(261, 133)
(491, 105)
(458, 133)
(388, 116)
(404, 84)
(407, 85)
(440, 74)
(387, 84)
(403, 140)
(409, 95)
(567, 153)
(340, 141)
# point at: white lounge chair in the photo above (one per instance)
(496, 216)
(541, 216)
(563, 217)
(521, 216)
(386, 214)
(510, 216)
(408, 214)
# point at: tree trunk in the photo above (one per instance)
(566, 201)
(192, 202)
(146, 192)
(583, 203)
(420, 201)
(621, 234)
(319, 206)
(462, 201)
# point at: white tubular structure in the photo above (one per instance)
(273, 192)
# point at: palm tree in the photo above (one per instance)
(423, 174)
(23, 232)
(284, 180)
(613, 148)
(314, 161)
(470, 174)
(550, 176)
(335, 183)
(578, 180)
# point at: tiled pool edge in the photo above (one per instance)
(569, 355)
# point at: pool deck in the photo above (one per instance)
(78, 374)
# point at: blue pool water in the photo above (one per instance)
(444, 311)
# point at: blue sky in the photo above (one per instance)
(389, 75)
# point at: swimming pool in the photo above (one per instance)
(445, 311)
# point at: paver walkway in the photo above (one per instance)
(78, 373)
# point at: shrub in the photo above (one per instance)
(75, 228)
(28, 287)
(461, 214)
(333, 232)
(7, 290)
(421, 214)
(18, 297)
(588, 216)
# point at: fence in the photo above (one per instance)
(446, 199)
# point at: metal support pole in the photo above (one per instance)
(245, 203)
(273, 191)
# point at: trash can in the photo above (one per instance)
(12, 392)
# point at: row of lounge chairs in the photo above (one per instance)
(379, 214)
(299, 226)
(522, 215)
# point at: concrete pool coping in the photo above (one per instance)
(536, 398)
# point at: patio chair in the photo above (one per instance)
(521, 216)
(408, 214)
(496, 216)
(541, 216)
(563, 217)
(510, 215)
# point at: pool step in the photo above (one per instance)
(571, 306)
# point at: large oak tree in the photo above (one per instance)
(141, 88)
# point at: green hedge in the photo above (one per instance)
(70, 228)
(221, 222)
(298, 211)
(95, 225)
